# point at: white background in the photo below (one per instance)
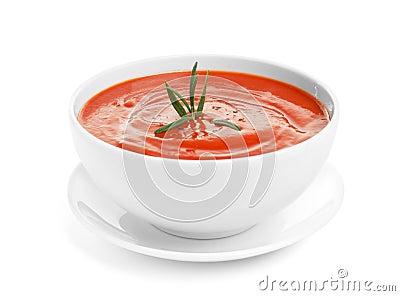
(49, 48)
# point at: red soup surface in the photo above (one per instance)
(271, 114)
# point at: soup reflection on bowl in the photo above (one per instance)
(264, 132)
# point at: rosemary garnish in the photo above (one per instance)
(175, 97)
(174, 124)
(226, 123)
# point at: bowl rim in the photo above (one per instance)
(74, 119)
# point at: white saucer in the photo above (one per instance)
(312, 210)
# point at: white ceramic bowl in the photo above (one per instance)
(241, 191)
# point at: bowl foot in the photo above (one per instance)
(203, 235)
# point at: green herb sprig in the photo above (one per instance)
(176, 98)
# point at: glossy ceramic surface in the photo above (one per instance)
(312, 210)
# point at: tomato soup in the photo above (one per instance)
(271, 114)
